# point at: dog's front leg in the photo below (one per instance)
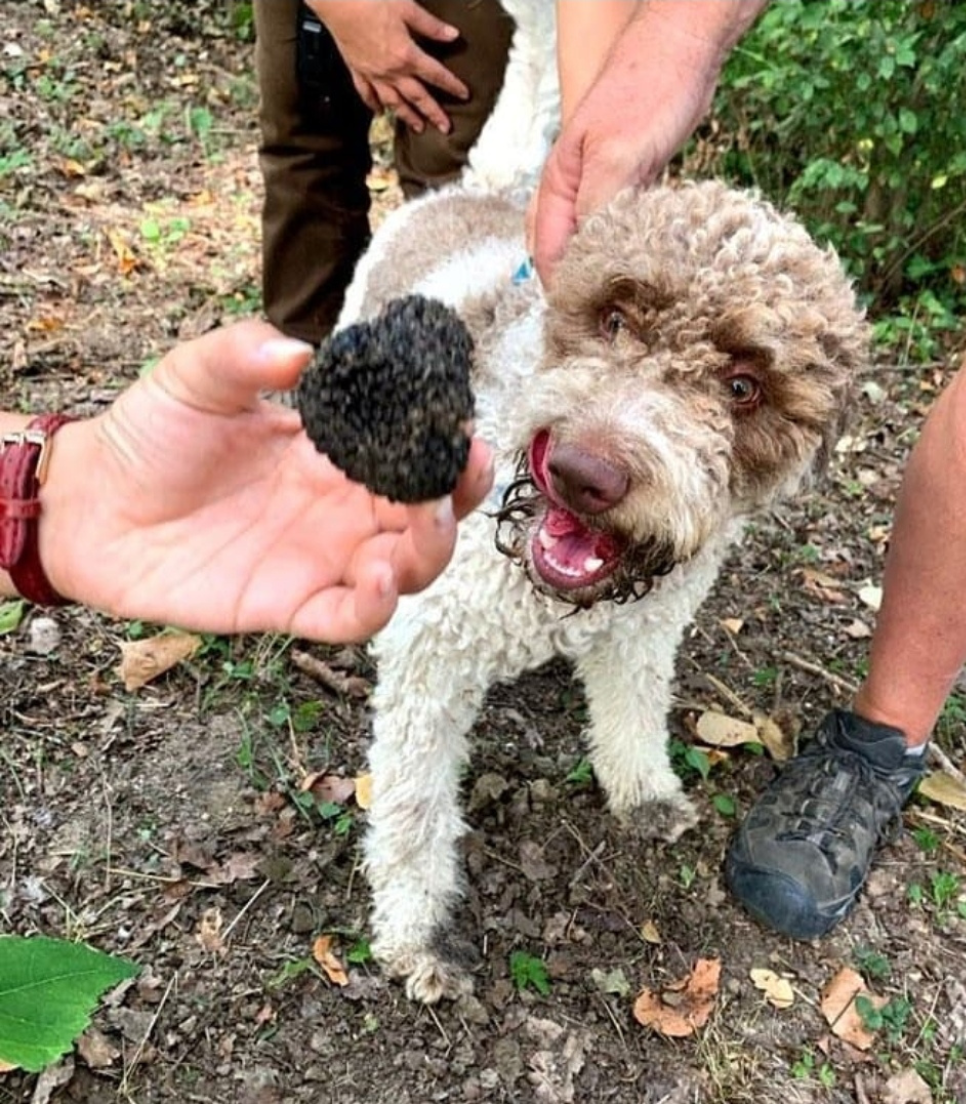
(627, 676)
(423, 712)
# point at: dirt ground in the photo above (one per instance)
(170, 824)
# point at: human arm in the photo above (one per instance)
(655, 86)
(586, 31)
(190, 501)
(390, 71)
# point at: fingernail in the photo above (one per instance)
(284, 348)
(385, 582)
(443, 514)
(489, 472)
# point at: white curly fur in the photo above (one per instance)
(627, 388)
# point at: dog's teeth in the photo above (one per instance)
(547, 540)
(592, 564)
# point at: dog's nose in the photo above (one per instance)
(584, 481)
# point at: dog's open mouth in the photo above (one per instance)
(562, 554)
(565, 552)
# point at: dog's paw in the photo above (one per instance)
(665, 819)
(431, 975)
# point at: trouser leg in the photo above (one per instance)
(478, 58)
(314, 157)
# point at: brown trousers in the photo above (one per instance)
(314, 153)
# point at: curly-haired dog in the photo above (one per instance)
(690, 365)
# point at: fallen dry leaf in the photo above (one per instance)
(824, 586)
(779, 744)
(238, 867)
(329, 961)
(650, 932)
(871, 596)
(334, 788)
(6, 1067)
(944, 789)
(96, 1049)
(777, 989)
(364, 790)
(209, 931)
(906, 1087)
(719, 730)
(838, 1008)
(858, 630)
(732, 624)
(680, 1009)
(144, 660)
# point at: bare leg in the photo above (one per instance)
(919, 645)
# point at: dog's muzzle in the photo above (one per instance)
(567, 558)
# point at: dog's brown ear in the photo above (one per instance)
(848, 353)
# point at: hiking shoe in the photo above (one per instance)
(798, 861)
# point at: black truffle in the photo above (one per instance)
(388, 400)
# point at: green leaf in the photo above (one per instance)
(48, 990)
(725, 804)
(11, 614)
(529, 971)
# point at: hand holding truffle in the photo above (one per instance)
(190, 501)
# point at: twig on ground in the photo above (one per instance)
(353, 686)
(817, 669)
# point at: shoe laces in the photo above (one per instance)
(844, 793)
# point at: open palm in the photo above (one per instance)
(209, 508)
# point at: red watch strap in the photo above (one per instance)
(23, 468)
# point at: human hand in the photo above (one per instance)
(653, 89)
(390, 71)
(193, 502)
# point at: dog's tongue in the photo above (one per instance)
(570, 554)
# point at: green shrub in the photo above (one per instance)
(850, 112)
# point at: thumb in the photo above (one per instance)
(554, 217)
(224, 371)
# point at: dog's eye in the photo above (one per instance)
(745, 390)
(612, 322)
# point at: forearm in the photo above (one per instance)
(677, 48)
(711, 27)
(586, 31)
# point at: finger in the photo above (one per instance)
(555, 218)
(404, 113)
(367, 93)
(350, 614)
(223, 371)
(476, 481)
(421, 552)
(432, 72)
(426, 25)
(417, 96)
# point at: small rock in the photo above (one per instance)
(43, 636)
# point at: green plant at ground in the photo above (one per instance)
(529, 972)
(849, 112)
(11, 614)
(581, 774)
(871, 963)
(688, 760)
(48, 990)
(807, 1068)
(892, 1017)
